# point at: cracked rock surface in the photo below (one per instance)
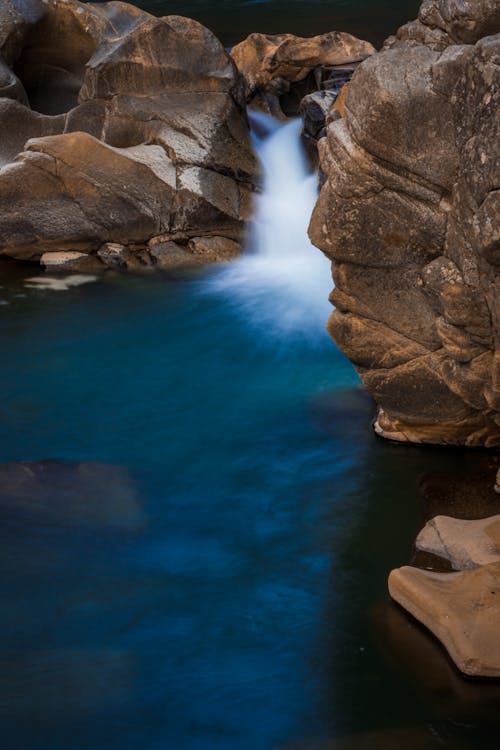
(117, 127)
(410, 217)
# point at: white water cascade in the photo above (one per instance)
(282, 281)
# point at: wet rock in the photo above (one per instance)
(117, 127)
(264, 58)
(410, 738)
(409, 214)
(466, 544)
(70, 261)
(62, 682)
(434, 679)
(461, 609)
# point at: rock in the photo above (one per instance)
(265, 58)
(314, 109)
(117, 127)
(125, 258)
(183, 251)
(461, 609)
(169, 254)
(70, 261)
(466, 544)
(409, 215)
(410, 738)
(430, 675)
(113, 255)
(497, 483)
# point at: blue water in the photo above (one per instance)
(222, 582)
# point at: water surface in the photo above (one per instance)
(233, 20)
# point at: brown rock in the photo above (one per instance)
(466, 544)
(152, 134)
(410, 216)
(461, 609)
(264, 58)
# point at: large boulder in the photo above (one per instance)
(280, 70)
(410, 216)
(117, 127)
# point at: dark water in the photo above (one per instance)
(219, 580)
(233, 20)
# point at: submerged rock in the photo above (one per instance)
(410, 217)
(116, 127)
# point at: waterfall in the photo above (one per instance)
(281, 282)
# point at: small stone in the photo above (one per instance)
(70, 260)
(113, 255)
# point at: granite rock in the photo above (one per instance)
(410, 216)
(461, 609)
(116, 127)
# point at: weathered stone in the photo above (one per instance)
(70, 261)
(264, 58)
(150, 131)
(214, 248)
(466, 544)
(461, 609)
(410, 215)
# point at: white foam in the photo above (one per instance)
(282, 281)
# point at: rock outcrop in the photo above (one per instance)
(410, 217)
(118, 127)
(280, 70)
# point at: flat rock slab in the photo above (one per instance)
(466, 544)
(461, 609)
